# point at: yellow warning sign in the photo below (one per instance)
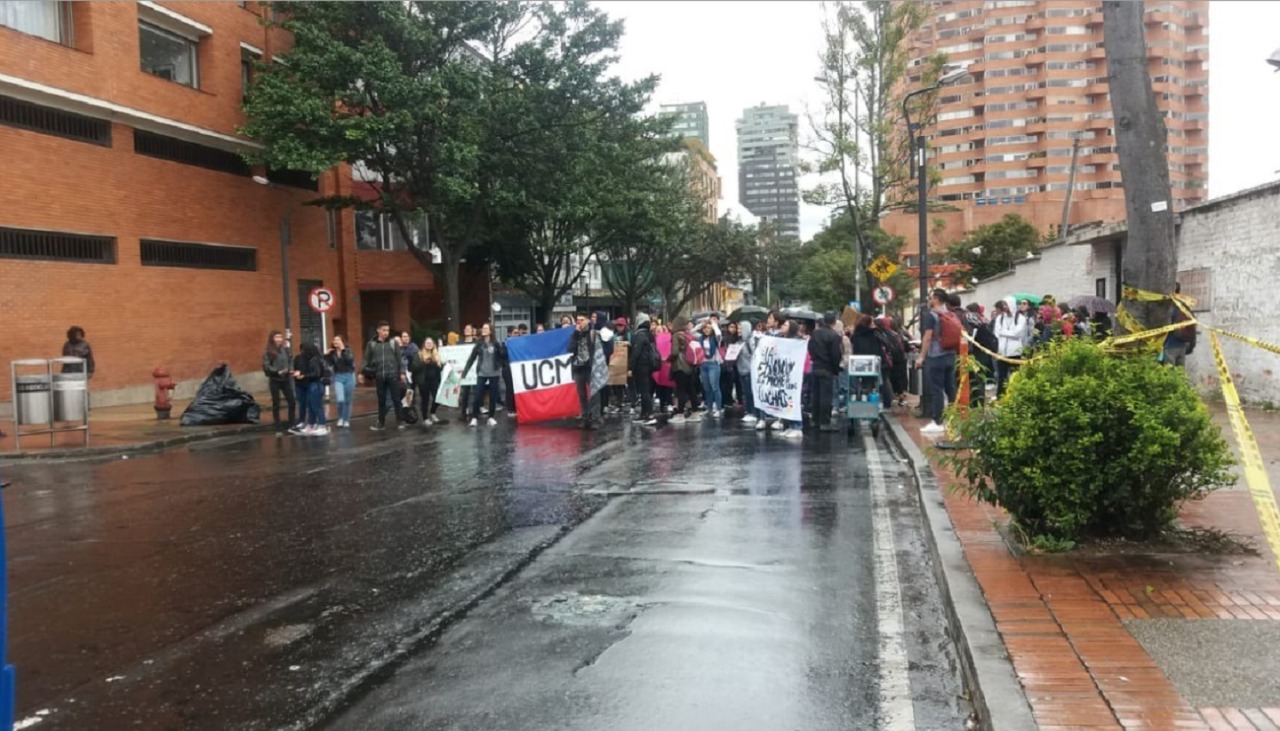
(882, 268)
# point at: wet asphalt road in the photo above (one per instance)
(693, 577)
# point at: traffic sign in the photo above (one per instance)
(882, 268)
(321, 299)
(883, 294)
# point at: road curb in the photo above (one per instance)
(151, 446)
(997, 695)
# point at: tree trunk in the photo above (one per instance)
(1150, 259)
(450, 263)
(548, 304)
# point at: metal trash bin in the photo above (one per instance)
(70, 396)
(33, 400)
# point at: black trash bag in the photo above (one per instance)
(221, 401)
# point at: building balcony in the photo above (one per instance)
(1196, 160)
(1100, 123)
(1096, 54)
(1194, 20)
(1037, 162)
(1162, 16)
(977, 65)
(1195, 125)
(1036, 22)
(1039, 93)
(1036, 58)
(1199, 55)
(1037, 126)
(1101, 88)
(1093, 19)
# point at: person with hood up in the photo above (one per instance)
(750, 339)
(642, 362)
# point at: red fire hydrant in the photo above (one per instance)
(164, 385)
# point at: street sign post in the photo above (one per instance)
(882, 268)
(883, 294)
(321, 300)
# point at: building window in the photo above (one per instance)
(50, 121)
(1100, 287)
(16, 243)
(169, 55)
(247, 60)
(379, 232)
(331, 226)
(188, 153)
(48, 20)
(156, 253)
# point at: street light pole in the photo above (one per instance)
(915, 132)
(286, 231)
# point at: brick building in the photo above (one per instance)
(128, 210)
(1002, 137)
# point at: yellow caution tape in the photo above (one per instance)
(997, 356)
(1255, 473)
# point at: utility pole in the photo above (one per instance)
(1064, 227)
(1150, 259)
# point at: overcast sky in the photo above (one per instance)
(733, 55)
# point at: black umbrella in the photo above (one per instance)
(749, 313)
(1093, 304)
(797, 313)
(705, 314)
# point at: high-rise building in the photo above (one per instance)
(1002, 136)
(768, 152)
(691, 121)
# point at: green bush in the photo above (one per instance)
(1086, 444)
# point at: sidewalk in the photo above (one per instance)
(1149, 639)
(117, 429)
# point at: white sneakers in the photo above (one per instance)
(492, 422)
(933, 427)
(778, 425)
(749, 419)
(761, 425)
(473, 423)
(792, 434)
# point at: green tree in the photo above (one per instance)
(991, 249)
(573, 169)
(825, 272)
(652, 223)
(414, 92)
(859, 136)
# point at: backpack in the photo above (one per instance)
(326, 371)
(949, 330)
(650, 354)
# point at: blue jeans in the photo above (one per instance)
(939, 382)
(344, 393)
(711, 386)
(315, 397)
(303, 390)
(748, 396)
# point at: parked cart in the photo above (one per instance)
(863, 403)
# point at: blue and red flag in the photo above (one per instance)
(542, 376)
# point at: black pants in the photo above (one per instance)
(393, 388)
(278, 387)
(823, 391)
(684, 391)
(644, 386)
(485, 383)
(664, 398)
(427, 396)
(508, 390)
(729, 384)
(586, 399)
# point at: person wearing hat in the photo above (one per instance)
(826, 348)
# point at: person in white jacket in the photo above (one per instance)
(1013, 331)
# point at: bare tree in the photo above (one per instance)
(1150, 259)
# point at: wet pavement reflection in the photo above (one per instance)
(464, 578)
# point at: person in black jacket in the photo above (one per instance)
(277, 364)
(643, 360)
(426, 369)
(826, 350)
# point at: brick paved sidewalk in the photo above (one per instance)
(135, 426)
(1108, 641)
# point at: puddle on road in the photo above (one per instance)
(287, 634)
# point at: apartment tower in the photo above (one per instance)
(1002, 136)
(767, 156)
(691, 121)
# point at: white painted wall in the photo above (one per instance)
(1236, 237)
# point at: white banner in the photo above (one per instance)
(450, 387)
(777, 375)
(456, 356)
